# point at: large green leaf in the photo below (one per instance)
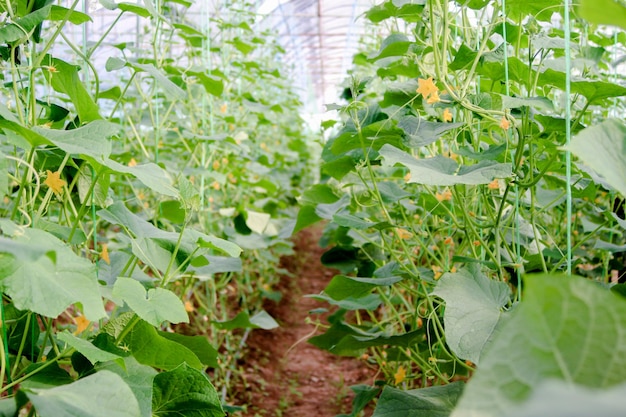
(172, 91)
(21, 28)
(185, 392)
(87, 349)
(591, 89)
(435, 401)
(604, 12)
(140, 380)
(445, 171)
(199, 345)
(342, 286)
(103, 394)
(243, 320)
(603, 148)
(155, 307)
(91, 139)
(64, 79)
(559, 399)
(421, 132)
(473, 309)
(150, 174)
(566, 328)
(49, 284)
(150, 348)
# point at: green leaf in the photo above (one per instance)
(171, 90)
(134, 8)
(103, 394)
(539, 9)
(64, 79)
(445, 171)
(59, 13)
(604, 12)
(543, 103)
(256, 221)
(87, 349)
(560, 399)
(421, 132)
(437, 401)
(139, 378)
(396, 44)
(474, 306)
(603, 148)
(320, 193)
(91, 139)
(150, 174)
(243, 320)
(149, 348)
(591, 90)
(50, 284)
(8, 407)
(566, 328)
(199, 345)
(159, 305)
(185, 392)
(342, 287)
(306, 216)
(21, 28)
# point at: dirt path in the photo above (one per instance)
(293, 379)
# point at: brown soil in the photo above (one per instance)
(286, 376)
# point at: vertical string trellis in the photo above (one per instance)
(507, 89)
(568, 133)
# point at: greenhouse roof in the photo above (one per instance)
(319, 37)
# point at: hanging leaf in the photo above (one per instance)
(445, 171)
(260, 320)
(149, 348)
(474, 307)
(421, 132)
(64, 79)
(604, 12)
(114, 398)
(49, 284)
(185, 392)
(87, 349)
(603, 148)
(21, 28)
(435, 401)
(138, 377)
(566, 328)
(155, 307)
(341, 286)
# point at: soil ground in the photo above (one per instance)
(286, 376)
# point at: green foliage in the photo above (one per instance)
(143, 204)
(451, 177)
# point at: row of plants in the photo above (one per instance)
(145, 205)
(474, 200)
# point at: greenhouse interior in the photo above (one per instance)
(388, 208)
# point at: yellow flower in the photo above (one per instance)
(407, 177)
(216, 165)
(54, 181)
(104, 253)
(434, 98)
(132, 162)
(223, 108)
(189, 308)
(403, 234)
(81, 324)
(504, 123)
(447, 115)
(400, 375)
(215, 185)
(426, 87)
(494, 185)
(445, 196)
